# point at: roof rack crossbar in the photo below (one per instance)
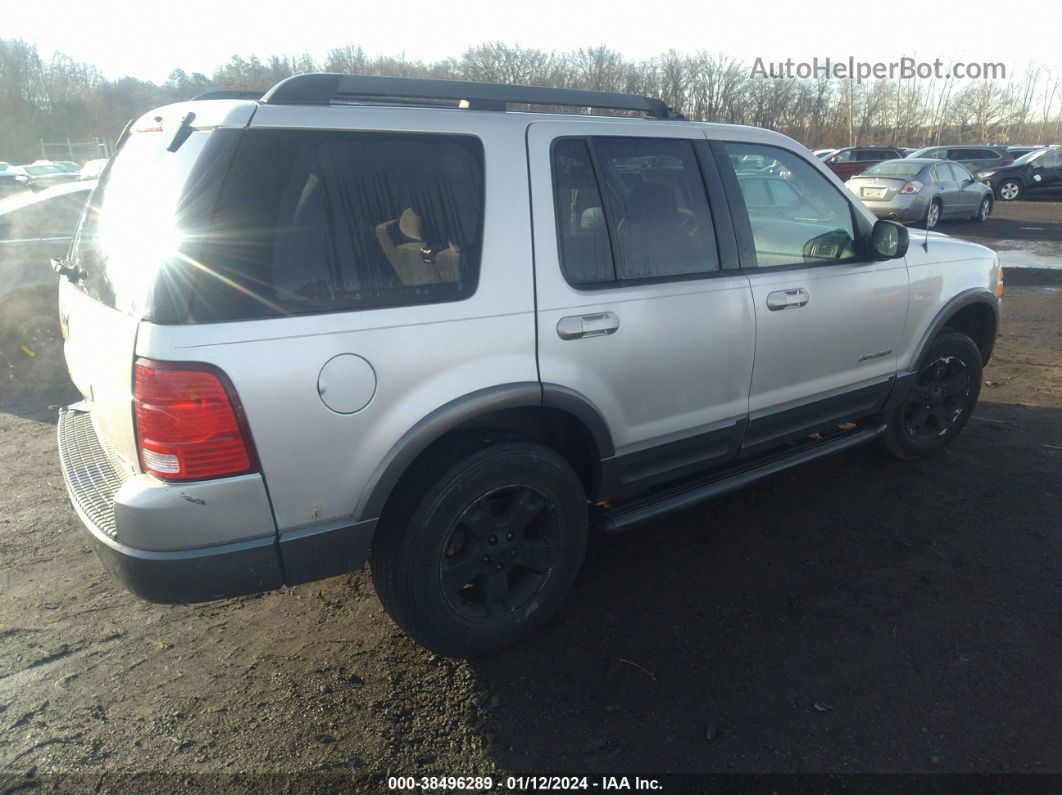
(325, 88)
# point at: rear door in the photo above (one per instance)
(947, 190)
(969, 197)
(828, 318)
(642, 310)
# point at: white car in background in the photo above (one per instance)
(93, 168)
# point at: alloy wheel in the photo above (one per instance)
(934, 215)
(937, 399)
(1009, 191)
(500, 553)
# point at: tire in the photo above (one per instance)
(483, 548)
(1010, 190)
(933, 215)
(984, 210)
(940, 402)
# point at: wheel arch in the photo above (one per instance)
(975, 313)
(548, 414)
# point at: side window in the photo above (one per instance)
(941, 173)
(810, 221)
(654, 210)
(344, 220)
(934, 154)
(959, 172)
(585, 252)
(846, 156)
(657, 205)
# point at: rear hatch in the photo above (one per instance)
(139, 220)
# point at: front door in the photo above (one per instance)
(828, 319)
(641, 312)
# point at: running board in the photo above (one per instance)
(680, 497)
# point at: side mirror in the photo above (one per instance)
(889, 240)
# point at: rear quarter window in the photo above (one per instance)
(324, 221)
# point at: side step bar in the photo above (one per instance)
(688, 495)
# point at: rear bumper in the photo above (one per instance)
(906, 209)
(193, 542)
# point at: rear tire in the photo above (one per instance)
(940, 402)
(933, 215)
(482, 547)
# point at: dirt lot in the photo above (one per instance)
(859, 614)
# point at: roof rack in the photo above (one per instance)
(325, 88)
(229, 94)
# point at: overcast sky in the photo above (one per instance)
(149, 39)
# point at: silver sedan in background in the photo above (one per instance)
(922, 190)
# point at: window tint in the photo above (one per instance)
(331, 221)
(658, 207)
(810, 222)
(845, 156)
(585, 253)
(654, 210)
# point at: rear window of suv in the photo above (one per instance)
(324, 221)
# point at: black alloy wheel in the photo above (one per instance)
(937, 399)
(500, 553)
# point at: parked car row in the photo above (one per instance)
(1037, 169)
(42, 174)
(1009, 172)
(919, 189)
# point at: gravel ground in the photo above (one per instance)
(859, 614)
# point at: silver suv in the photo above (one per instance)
(399, 320)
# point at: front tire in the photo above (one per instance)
(1010, 190)
(483, 548)
(941, 400)
(984, 210)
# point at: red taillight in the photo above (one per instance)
(911, 187)
(188, 423)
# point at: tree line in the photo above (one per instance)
(58, 98)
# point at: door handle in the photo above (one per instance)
(581, 326)
(787, 299)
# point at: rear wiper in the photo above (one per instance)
(62, 266)
(184, 130)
